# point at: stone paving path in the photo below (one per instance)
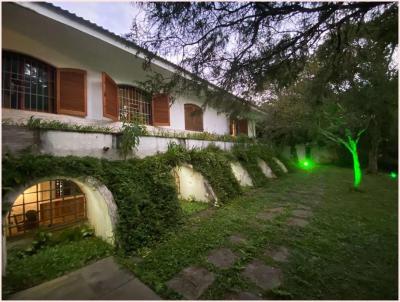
(192, 282)
(102, 280)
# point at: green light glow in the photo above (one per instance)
(356, 163)
(306, 164)
(393, 175)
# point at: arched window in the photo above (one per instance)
(134, 105)
(193, 117)
(49, 204)
(27, 83)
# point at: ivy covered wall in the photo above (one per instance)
(144, 189)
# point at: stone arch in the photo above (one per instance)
(267, 171)
(191, 184)
(281, 165)
(241, 175)
(100, 202)
(101, 209)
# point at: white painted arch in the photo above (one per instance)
(280, 164)
(267, 171)
(192, 184)
(101, 209)
(241, 174)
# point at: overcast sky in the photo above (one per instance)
(115, 16)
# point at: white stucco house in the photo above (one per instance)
(58, 66)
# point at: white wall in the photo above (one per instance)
(241, 175)
(192, 184)
(62, 46)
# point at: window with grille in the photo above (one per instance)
(50, 204)
(134, 105)
(27, 83)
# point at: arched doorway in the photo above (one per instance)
(47, 205)
(62, 201)
(57, 202)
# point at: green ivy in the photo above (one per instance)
(144, 189)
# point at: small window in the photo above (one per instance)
(237, 127)
(193, 117)
(27, 83)
(134, 104)
(46, 205)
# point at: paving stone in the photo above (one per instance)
(305, 208)
(276, 210)
(302, 213)
(242, 296)
(267, 215)
(222, 258)
(191, 282)
(297, 222)
(237, 239)
(279, 254)
(102, 280)
(266, 277)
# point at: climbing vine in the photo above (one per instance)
(144, 189)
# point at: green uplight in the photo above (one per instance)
(306, 164)
(393, 175)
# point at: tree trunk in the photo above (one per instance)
(373, 148)
(356, 168)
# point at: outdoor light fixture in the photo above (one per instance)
(306, 164)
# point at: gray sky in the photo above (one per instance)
(115, 16)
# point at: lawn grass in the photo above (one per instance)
(50, 262)
(348, 251)
(190, 207)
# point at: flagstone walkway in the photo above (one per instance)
(193, 281)
(102, 280)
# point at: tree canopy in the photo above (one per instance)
(242, 46)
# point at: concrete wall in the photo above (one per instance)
(99, 145)
(56, 44)
(320, 154)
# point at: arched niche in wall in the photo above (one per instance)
(280, 164)
(267, 171)
(241, 175)
(192, 184)
(57, 202)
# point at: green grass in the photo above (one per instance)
(348, 251)
(189, 207)
(50, 262)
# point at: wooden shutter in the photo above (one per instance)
(232, 127)
(193, 117)
(160, 110)
(242, 127)
(110, 97)
(71, 91)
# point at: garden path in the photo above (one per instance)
(193, 281)
(102, 280)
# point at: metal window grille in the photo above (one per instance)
(134, 106)
(27, 83)
(52, 204)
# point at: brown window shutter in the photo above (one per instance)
(193, 117)
(242, 127)
(71, 91)
(232, 127)
(110, 97)
(160, 110)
